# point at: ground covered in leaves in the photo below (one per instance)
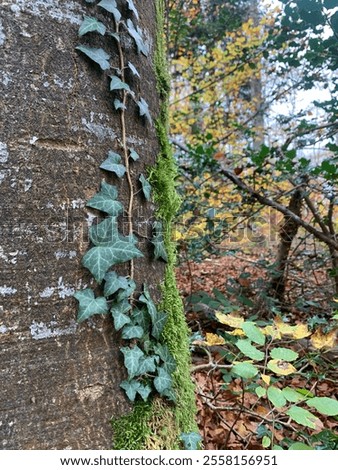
(232, 412)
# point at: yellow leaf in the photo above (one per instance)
(283, 328)
(301, 331)
(319, 340)
(237, 332)
(266, 379)
(272, 331)
(281, 367)
(230, 320)
(213, 340)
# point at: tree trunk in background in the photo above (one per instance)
(59, 379)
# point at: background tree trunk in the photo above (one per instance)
(59, 379)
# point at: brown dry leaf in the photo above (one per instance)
(213, 340)
(230, 319)
(319, 340)
(261, 410)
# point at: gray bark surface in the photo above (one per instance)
(59, 380)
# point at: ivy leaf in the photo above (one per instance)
(245, 370)
(141, 318)
(118, 311)
(134, 155)
(130, 387)
(89, 305)
(253, 333)
(112, 163)
(135, 33)
(163, 380)
(144, 391)
(112, 249)
(283, 354)
(245, 346)
(276, 397)
(302, 416)
(126, 293)
(113, 283)
(146, 188)
(133, 69)
(111, 6)
(146, 299)
(169, 363)
(147, 364)
(90, 24)
(105, 200)
(132, 358)
(119, 105)
(132, 331)
(132, 8)
(144, 109)
(117, 84)
(158, 242)
(191, 440)
(325, 406)
(97, 55)
(158, 324)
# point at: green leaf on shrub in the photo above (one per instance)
(302, 416)
(300, 446)
(291, 395)
(283, 354)
(163, 380)
(132, 358)
(191, 440)
(249, 350)
(260, 391)
(325, 406)
(266, 441)
(245, 370)
(97, 55)
(89, 305)
(253, 332)
(90, 24)
(113, 164)
(275, 395)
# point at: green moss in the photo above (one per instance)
(157, 425)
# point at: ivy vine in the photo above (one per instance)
(147, 359)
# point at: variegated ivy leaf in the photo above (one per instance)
(158, 242)
(146, 187)
(105, 200)
(141, 317)
(163, 380)
(191, 440)
(113, 164)
(132, 8)
(111, 6)
(133, 69)
(118, 312)
(89, 305)
(144, 391)
(126, 293)
(97, 55)
(146, 299)
(158, 324)
(90, 24)
(132, 331)
(117, 84)
(119, 105)
(169, 363)
(136, 34)
(132, 387)
(132, 358)
(144, 109)
(134, 155)
(111, 249)
(113, 283)
(147, 364)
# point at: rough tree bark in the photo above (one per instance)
(59, 379)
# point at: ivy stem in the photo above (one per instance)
(125, 148)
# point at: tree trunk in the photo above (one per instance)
(60, 379)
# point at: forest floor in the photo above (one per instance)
(230, 414)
